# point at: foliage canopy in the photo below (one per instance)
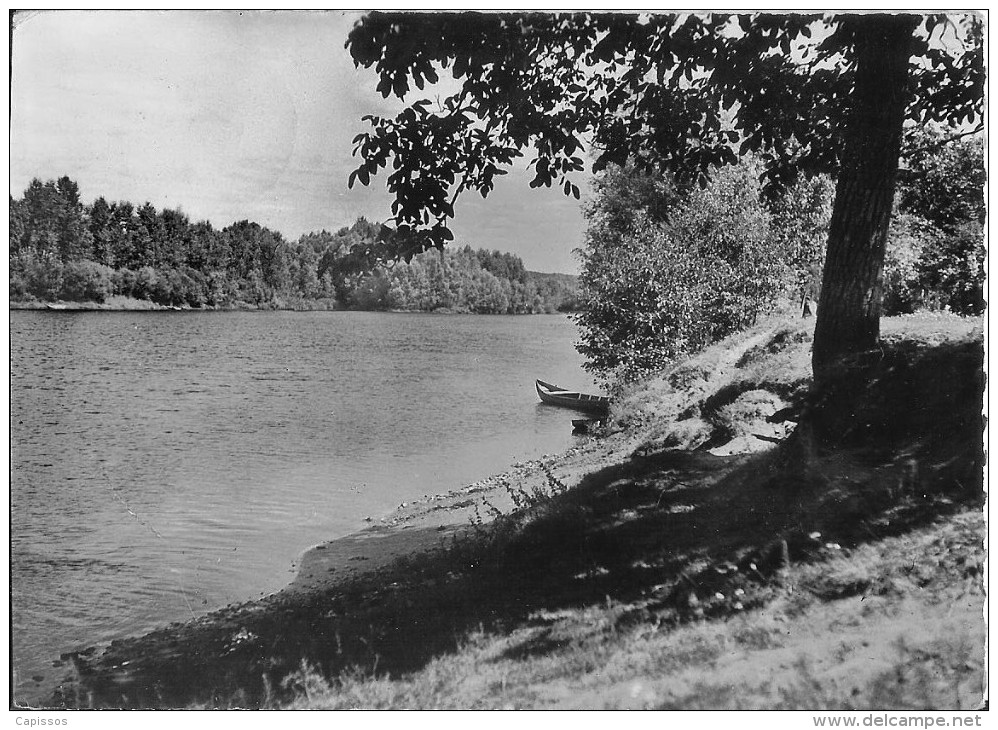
(682, 93)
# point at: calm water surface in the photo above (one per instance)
(166, 464)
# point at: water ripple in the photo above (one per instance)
(165, 466)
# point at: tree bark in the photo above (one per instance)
(848, 319)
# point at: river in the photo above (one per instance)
(166, 464)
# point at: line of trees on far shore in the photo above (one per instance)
(63, 249)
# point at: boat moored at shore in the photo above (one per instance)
(558, 396)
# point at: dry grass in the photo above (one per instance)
(853, 632)
(725, 391)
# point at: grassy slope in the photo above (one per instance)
(676, 575)
(896, 624)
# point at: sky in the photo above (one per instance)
(232, 115)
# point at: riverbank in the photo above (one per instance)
(130, 304)
(114, 304)
(119, 303)
(697, 555)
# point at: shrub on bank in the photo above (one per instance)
(953, 268)
(86, 281)
(18, 286)
(42, 276)
(123, 282)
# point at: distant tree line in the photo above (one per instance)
(61, 248)
(462, 280)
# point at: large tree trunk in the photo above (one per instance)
(848, 318)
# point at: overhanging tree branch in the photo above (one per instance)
(937, 144)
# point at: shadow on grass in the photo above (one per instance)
(672, 536)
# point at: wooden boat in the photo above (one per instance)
(556, 396)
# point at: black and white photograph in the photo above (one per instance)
(498, 360)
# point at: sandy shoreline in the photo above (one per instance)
(432, 523)
(332, 578)
(113, 304)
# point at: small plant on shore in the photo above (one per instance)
(492, 514)
(493, 530)
(538, 494)
(305, 682)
